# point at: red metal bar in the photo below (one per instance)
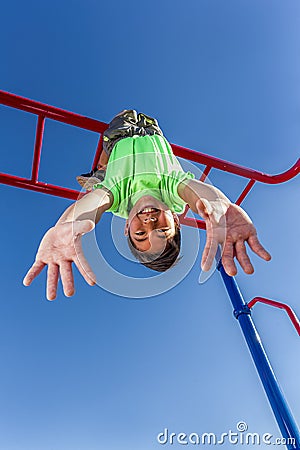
(38, 186)
(50, 112)
(245, 192)
(292, 315)
(185, 211)
(196, 223)
(236, 169)
(205, 173)
(37, 148)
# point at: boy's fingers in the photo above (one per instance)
(256, 246)
(33, 272)
(227, 259)
(243, 258)
(209, 252)
(67, 279)
(84, 268)
(52, 280)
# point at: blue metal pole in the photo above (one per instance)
(281, 410)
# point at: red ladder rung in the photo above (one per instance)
(245, 192)
(37, 148)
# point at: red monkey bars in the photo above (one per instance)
(44, 112)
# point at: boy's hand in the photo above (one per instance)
(232, 231)
(59, 248)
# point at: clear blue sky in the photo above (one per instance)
(99, 371)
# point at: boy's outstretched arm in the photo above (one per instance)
(226, 224)
(61, 245)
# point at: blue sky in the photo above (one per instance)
(99, 371)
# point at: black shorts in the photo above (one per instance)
(127, 124)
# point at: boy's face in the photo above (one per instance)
(150, 224)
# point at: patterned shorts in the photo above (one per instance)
(127, 124)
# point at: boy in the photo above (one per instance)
(139, 178)
(143, 165)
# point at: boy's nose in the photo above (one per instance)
(149, 219)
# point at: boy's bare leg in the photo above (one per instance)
(103, 160)
(88, 180)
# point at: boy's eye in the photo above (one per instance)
(162, 230)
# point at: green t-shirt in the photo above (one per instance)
(143, 165)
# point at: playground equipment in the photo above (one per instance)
(242, 310)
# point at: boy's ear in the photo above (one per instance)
(126, 229)
(176, 220)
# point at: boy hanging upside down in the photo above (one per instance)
(139, 178)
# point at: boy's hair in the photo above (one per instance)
(159, 261)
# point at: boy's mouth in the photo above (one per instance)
(148, 210)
